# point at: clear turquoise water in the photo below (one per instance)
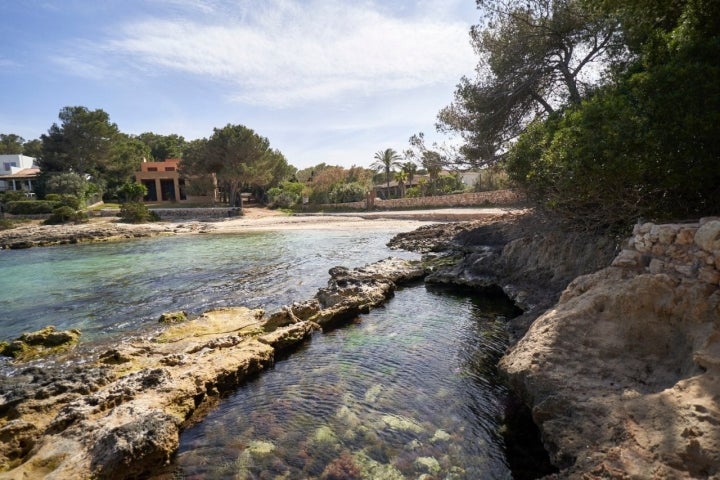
(408, 390)
(110, 288)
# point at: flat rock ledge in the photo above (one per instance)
(120, 415)
(28, 236)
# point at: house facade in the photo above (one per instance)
(18, 173)
(164, 183)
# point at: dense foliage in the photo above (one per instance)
(239, 158)
(643, 141)
(137, 212)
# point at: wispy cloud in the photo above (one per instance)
(289, 52)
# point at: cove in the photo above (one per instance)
(433, 405)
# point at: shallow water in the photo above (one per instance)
(110, 288)
(409, 389)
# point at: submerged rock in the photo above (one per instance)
(120, 415)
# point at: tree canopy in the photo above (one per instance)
(239, 158)
(11, 144)
(385, 161)
(535, 57)
(604, 111)
(81, 143)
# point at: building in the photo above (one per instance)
(164, 183)
(18, 173)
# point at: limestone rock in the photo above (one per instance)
(707, 236)
(121, 416)
(42, 342)
(622, 376)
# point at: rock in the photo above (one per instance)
(121, 416)
(622, 376)
(289, 336)
(707, 236)
(528, 258)
(27, 236)
(173, 317)
(354, 291)
(290, 314)
(396, 422)
(429, 464)
(42, 342)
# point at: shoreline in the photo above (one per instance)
(255, 219)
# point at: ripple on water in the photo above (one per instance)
(406, 391)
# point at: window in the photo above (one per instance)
(169, 169)
(152, 169)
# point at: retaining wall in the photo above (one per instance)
(472, 199)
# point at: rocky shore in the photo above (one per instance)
(618, 355)
(34, 235)
(119, 414)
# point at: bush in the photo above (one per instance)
(65, 199)
(31, 207)
(347, 192)
(65, 214)
(136, 212)
(413, 192)
(12, 196)
(282, 198)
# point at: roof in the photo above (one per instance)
(24, 173)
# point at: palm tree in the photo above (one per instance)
(410, 168)
(385, 160)
(400, 177)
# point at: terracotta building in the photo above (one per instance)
(164, 183)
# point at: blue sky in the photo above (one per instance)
(329, 81)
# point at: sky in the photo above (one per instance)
(330, 81)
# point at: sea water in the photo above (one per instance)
(407, 391)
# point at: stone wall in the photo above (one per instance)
(217, 212)
(472, 199)
(690, 250)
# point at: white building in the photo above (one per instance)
(17, 172)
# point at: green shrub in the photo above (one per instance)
(12, 196)
(283, 199)
(31, 207)
(347, 192)
(65, 214)
(136, 212)
(65, 199)
(413, 192)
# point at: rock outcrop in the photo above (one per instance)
(32, 235)
(623, 374)
(621, 369)
(530, 259)
(120, 414)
